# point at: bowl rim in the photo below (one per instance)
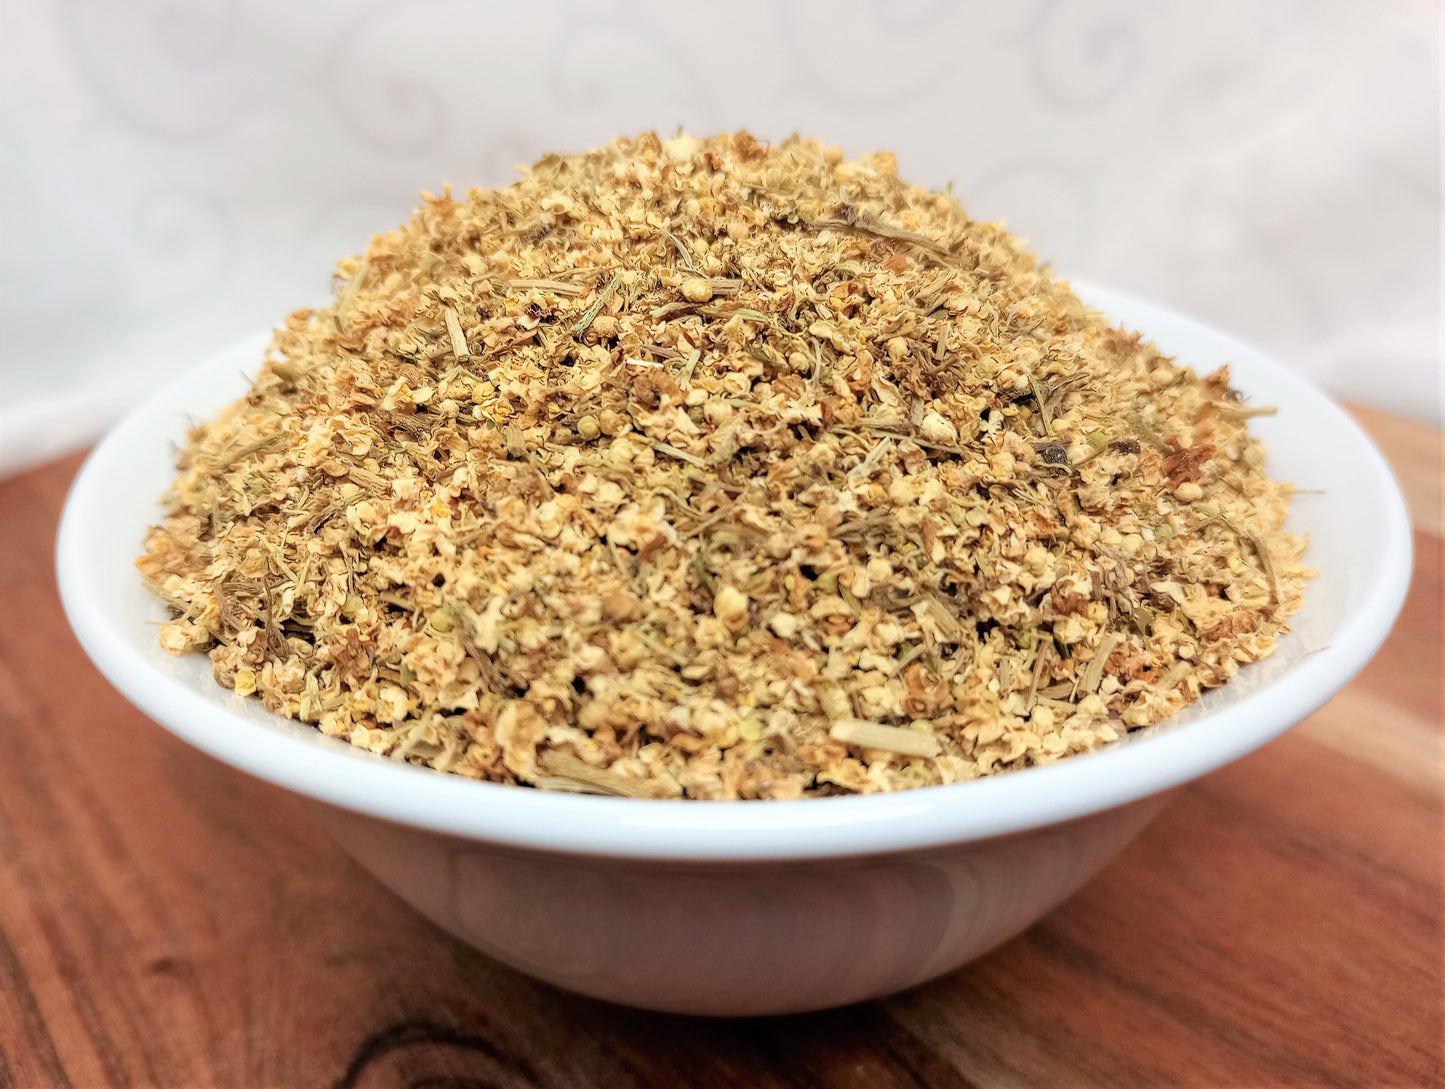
(697, 830)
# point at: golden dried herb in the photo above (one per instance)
(699, 468)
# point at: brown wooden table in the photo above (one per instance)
(165, 920)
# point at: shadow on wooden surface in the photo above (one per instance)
(167, 921)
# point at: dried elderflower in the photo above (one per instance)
(709, 469)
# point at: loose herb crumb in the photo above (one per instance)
(710, 469)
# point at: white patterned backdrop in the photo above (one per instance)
(176, 173)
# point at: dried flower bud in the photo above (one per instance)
(697, 290)
(620, 605)
(731, 607)
(613, 422)
(937, 429)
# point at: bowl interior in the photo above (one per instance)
(1349, 505)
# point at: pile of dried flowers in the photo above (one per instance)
(710, 469)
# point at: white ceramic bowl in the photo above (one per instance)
(753, 907)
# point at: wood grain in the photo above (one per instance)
(1417, 452)
(167, 921)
